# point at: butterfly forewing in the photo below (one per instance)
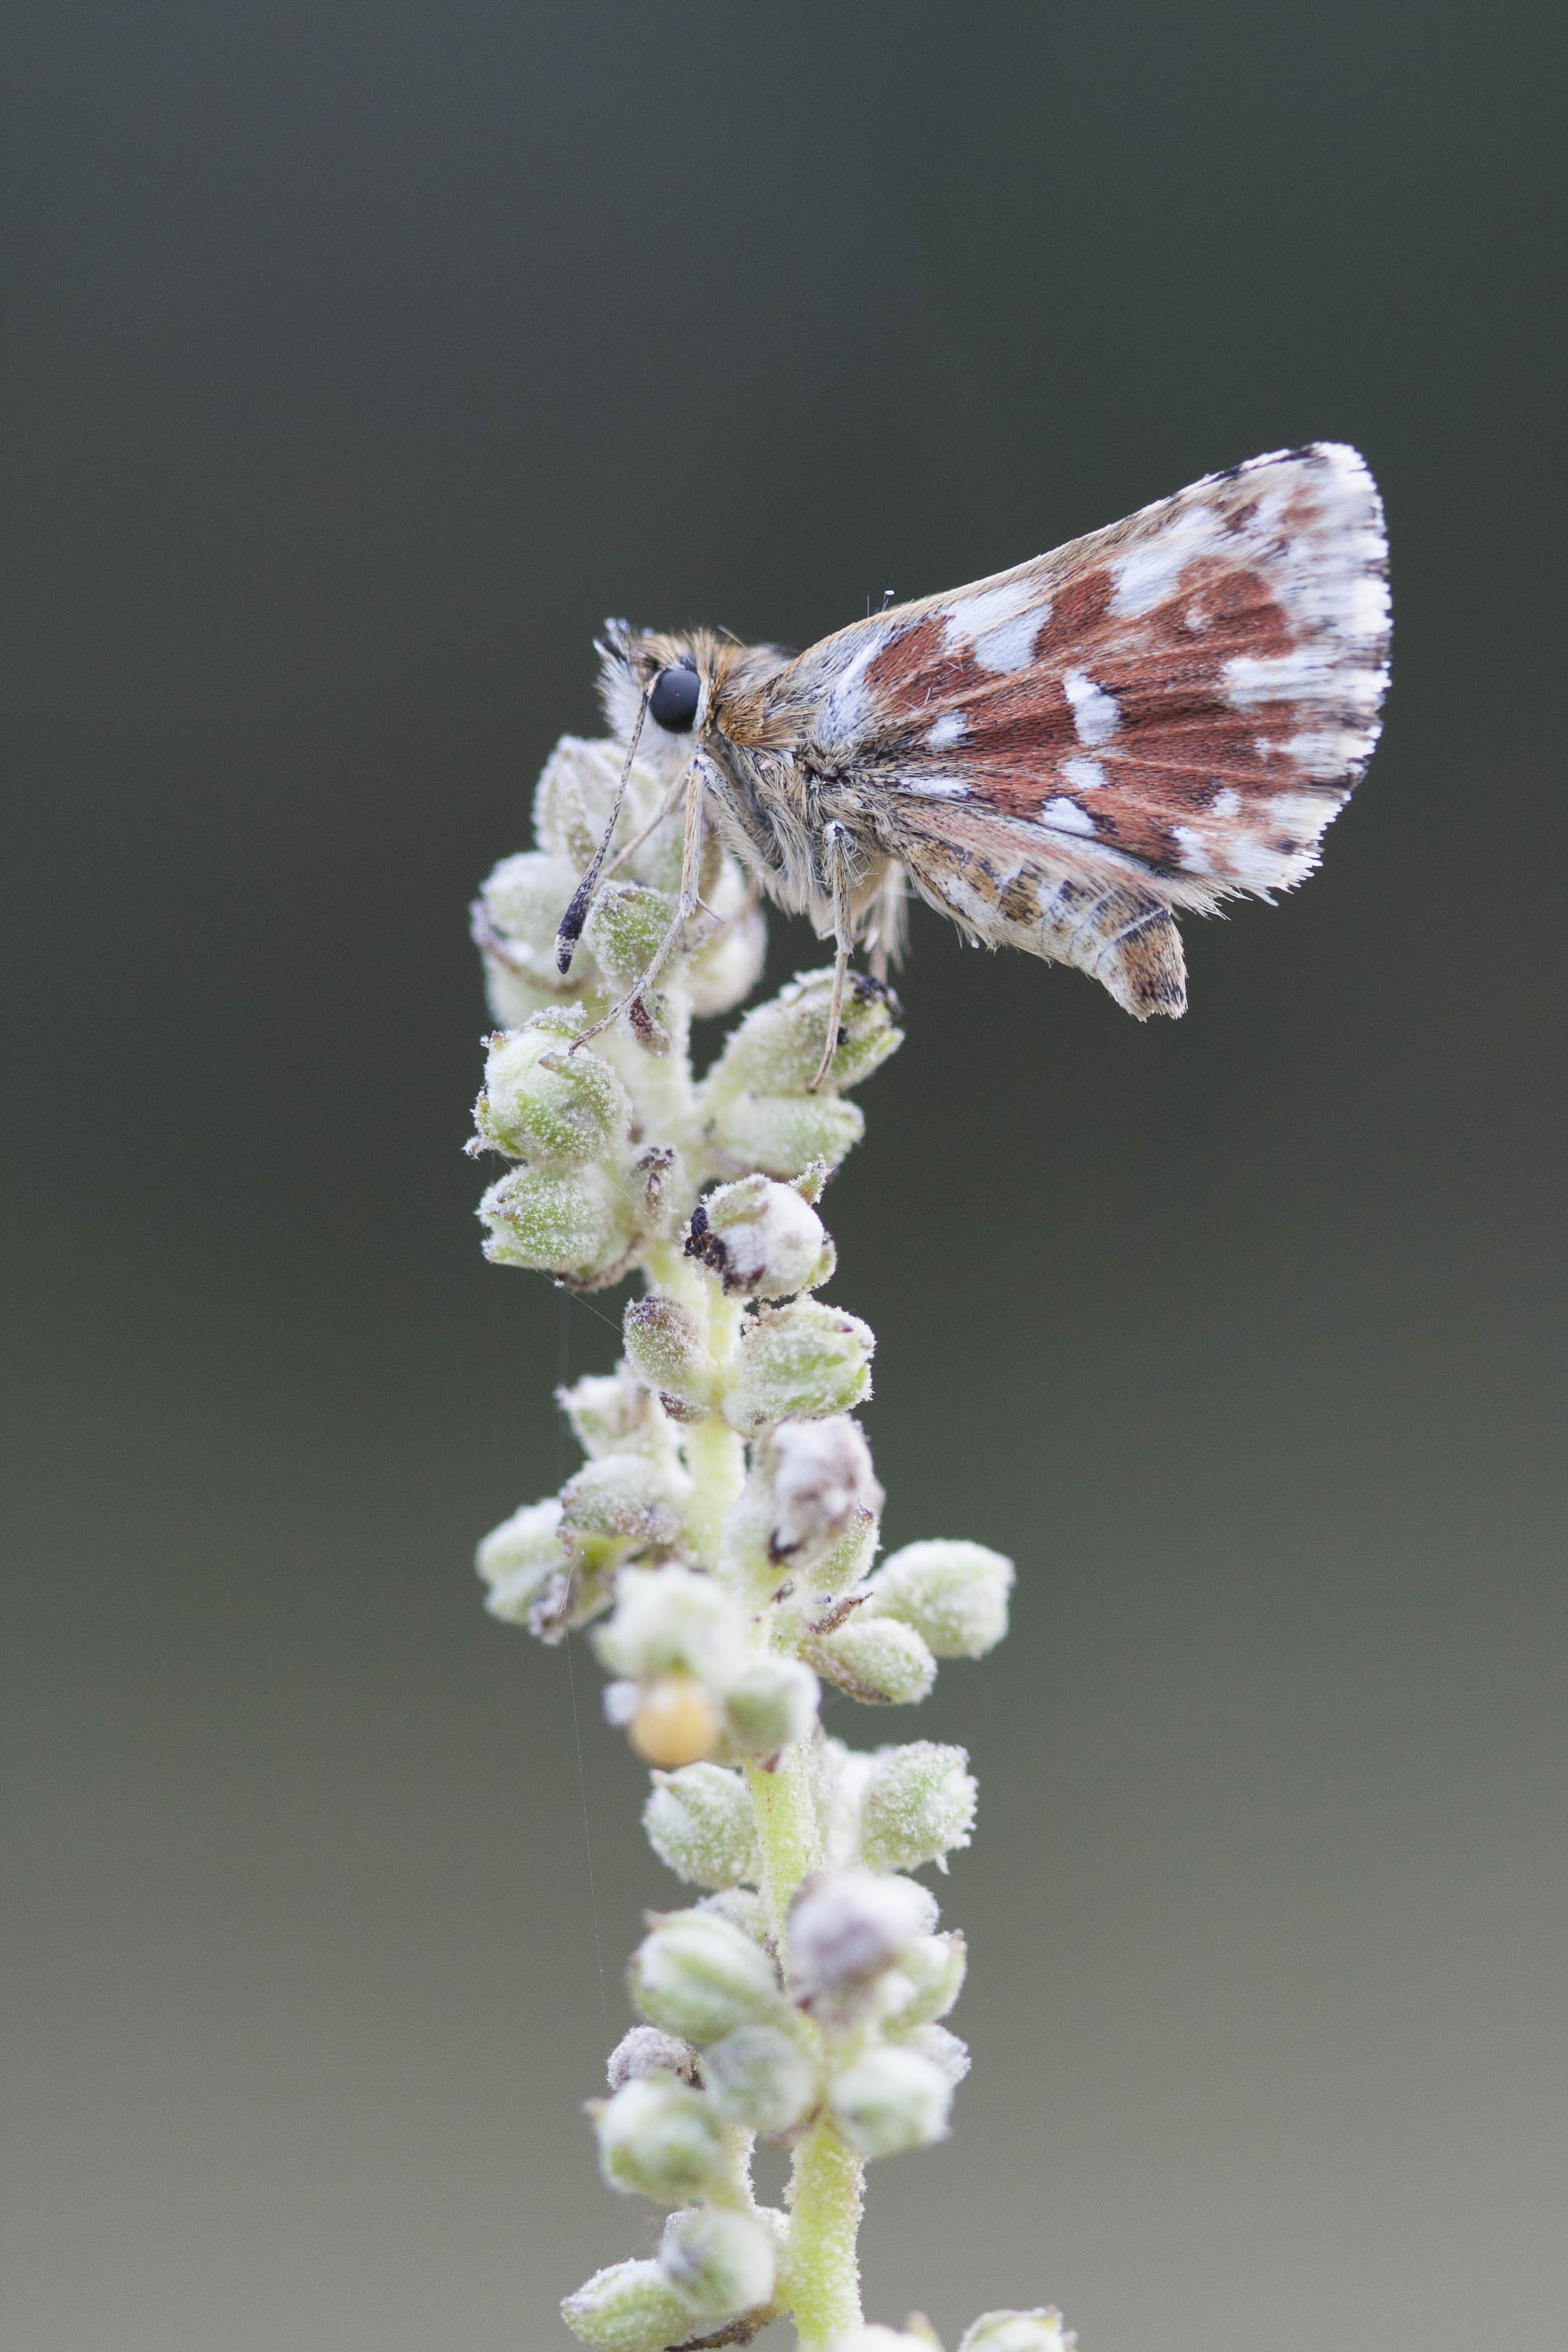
(1195, 689)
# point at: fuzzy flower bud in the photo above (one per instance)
(519, 1559)
(658, 2139)
(774, 1702)
(701, 1824)
(515, 921)
(643, 2050)
(619, 1505)
(759, 2075)
(891, 2099)
(698, 1975)
(672, 1620)
(727, 967)
(665, 1345)
(778, 1046)
(929, 1980)
(578, 1223)
(783, 1134)
(876, 1660)
(955, 1595)
(545, 1104)
(947, 2053)
(761, 1239)
(810, 1483)
(1018, 2331)
(846, 1929)
(626, 928)
(616, 1413)
(919, 1805)
(630, 2308)
(803, 1359)
(573, 796)
(718, 2262)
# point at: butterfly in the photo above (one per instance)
(1060, 758)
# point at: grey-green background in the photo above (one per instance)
(362, 357)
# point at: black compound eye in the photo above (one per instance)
(673, 700)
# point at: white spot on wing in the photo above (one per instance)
(1149, 570)
(1095, 714)
(1226, 802)
(1009, 646)
(950, 728)
(972, 616)
(1087, 775)
(1066, 816)
(935, 788)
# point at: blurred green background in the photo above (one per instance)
(362, 358)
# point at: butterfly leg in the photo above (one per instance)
(686, 906)
(835, 855)
(888, 922)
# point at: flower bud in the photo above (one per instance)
(811, 1482)
(574, 794)
(847, 1929)
(876, 1659)
(955, 1595)
(578, 1223)
(518, 909)
(778, 1049)
(1018, 2331)
(759, 2075)
(701, 1824)
(761, 1239)
(919, 1805)
(744, 1909)
(616, 1413)
(890, 2099)
(672, 1621)
(545, 1104)
(947, 2053)
(658, 2139)
(619, 1505)
(783, 1134)
(630, 2308)
(718, 2262)
(699, 1976)
(665, 1345)
(642, 2049)
(728, 966)
(929, 1980)
(774, 1703)
(804, 1359)
(626, 926)
(672, 1721)
(518, 1559)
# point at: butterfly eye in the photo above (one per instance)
(673, 701)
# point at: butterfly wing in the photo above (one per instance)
(1159, 715)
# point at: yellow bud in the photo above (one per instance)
(676, 1722)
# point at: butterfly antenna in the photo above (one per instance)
(576, 915)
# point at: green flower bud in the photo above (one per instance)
(761, 1239)
(847, 1929)
(669, 1621)
(701, 1824)
(664, 1344)
(630, 2308)
(574, 794)
(616, 1413)
(804, 1360)
(744, 1909)
(699, 1976)
(578, 1225)
(890, 2099)
(626, 926)
(919, 1806)
(783, 1134)
(876, 1659)
(955, 1595)
(1018, 2331)
(547, 1105)
(759, 2076)
(658, 2139)
(773, 1703)
(518, 1560)
(718, 2262)
(623, 1503)
(929, 1979)
(778, 1049)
